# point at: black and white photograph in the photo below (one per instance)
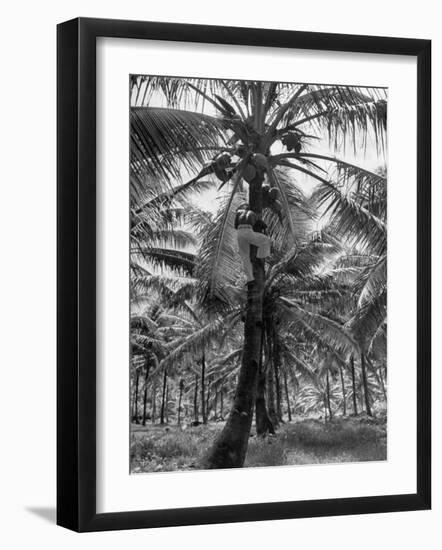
(226, 215)
(258, 274)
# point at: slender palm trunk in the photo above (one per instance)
(365, 384)
(353, 384)
(270, 375)
(145, 404)
(208, 402)
(215, 406)
(163, 397)
(294, 382)
(230, 448)
(276, 365)
(263, 423)
(287, 398)
(344, 396)
(203, 389)
(166, 411)
(378, 376)
(154, 402)
(195, 400)
(271, 395)
(135, 402)
(146, 377)
(180, 400)
(328, 396)
(221, 413)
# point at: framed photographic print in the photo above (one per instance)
(243, 274)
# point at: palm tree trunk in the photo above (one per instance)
(195, 400)
(180, 400)
(163, 397)
(146, 376)
(270, 381)
(208, 403)
(353, 384)
(154, 402)
(328, 396)
(203, 389)
(230, 448)
(135, 405)
(344, 396)
(215, 405)
(276, 366)
(378, 376)
(145, 404)
(271, 396)
(294, 382)
(222, 402)
(365, 383)
(263, 423)
(287, 398)
(166, 411)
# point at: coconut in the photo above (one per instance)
(260, 160)
(220, 173)
(249, 173)
(292, 142)
(223, 161)
(273, 194)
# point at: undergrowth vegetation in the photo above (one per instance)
(306, 441)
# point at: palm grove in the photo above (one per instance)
(305, 333)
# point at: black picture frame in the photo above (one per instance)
(76, 274)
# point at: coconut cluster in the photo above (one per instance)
(222, 167)
(292, 142)
(256, 164)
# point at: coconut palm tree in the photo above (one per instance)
(238, 132)
(356, 209)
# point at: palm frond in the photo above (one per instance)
(296, 222)
(218, 264)
(344, 111)
(372, 282)
(350, 220)
(368, 318)
(164, 142)
(198, 339)
(330, 331)
(163, 257)
(367, 187)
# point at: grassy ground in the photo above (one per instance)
(305, 441)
